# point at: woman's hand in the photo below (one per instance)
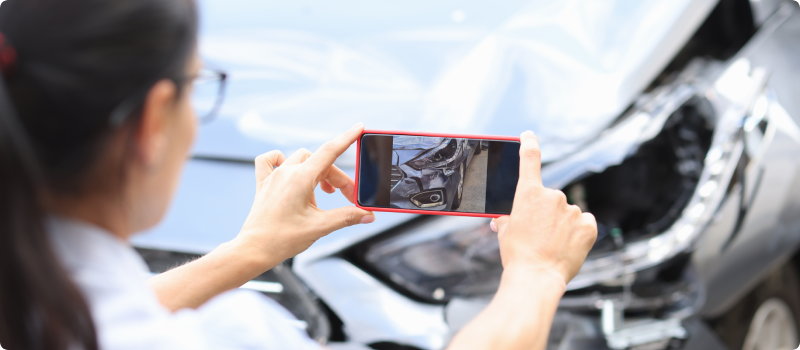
(543, 245)
(543, 232)
(285, 220)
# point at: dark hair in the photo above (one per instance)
(77, 62)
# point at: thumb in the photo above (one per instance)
(339, 218)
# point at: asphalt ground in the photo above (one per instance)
(474, 198)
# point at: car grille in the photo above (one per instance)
(397, 175)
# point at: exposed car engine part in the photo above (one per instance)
(643, 333)
(279, 283)
(638, 323)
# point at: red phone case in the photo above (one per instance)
(419, 211)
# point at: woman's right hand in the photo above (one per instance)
(285, 220)
(543, 232)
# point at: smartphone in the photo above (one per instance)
(443, 174)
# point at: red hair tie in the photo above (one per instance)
(8, 55)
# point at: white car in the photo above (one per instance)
(674, 122)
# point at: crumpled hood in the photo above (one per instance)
(405, 148)
(415, 142)
(302, 72)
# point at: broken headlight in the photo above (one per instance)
(439, 258)
(642, 198)
(654, 205)
(444, 155)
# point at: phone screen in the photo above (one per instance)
(438, 173)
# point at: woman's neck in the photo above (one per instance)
(95, 210)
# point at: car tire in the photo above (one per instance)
(767, 317)
(460, 189)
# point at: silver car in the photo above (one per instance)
(674, 122)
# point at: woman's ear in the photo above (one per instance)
(151, 136)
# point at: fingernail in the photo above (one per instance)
(357, 125)
(527, 133)
(368, 219)
(493, 226)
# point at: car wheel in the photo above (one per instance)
(459, 189)
(767, 317)
(772, 327)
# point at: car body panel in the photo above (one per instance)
(364, 302)
(771, 230)
(300, 71)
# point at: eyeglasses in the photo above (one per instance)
(208, 92)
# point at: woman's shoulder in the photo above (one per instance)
(234, 320)
(248, 318)
(128, 315)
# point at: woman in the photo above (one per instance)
(95, 125)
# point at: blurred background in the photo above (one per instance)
(674, 122)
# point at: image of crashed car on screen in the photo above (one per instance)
(437, 173)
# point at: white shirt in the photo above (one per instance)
(128, 315)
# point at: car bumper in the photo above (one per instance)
(416, 181)
(578, 332)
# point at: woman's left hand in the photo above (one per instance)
(285, 219)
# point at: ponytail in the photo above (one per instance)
(40, 307)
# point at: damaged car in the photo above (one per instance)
(428, 172)
(674, 122)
